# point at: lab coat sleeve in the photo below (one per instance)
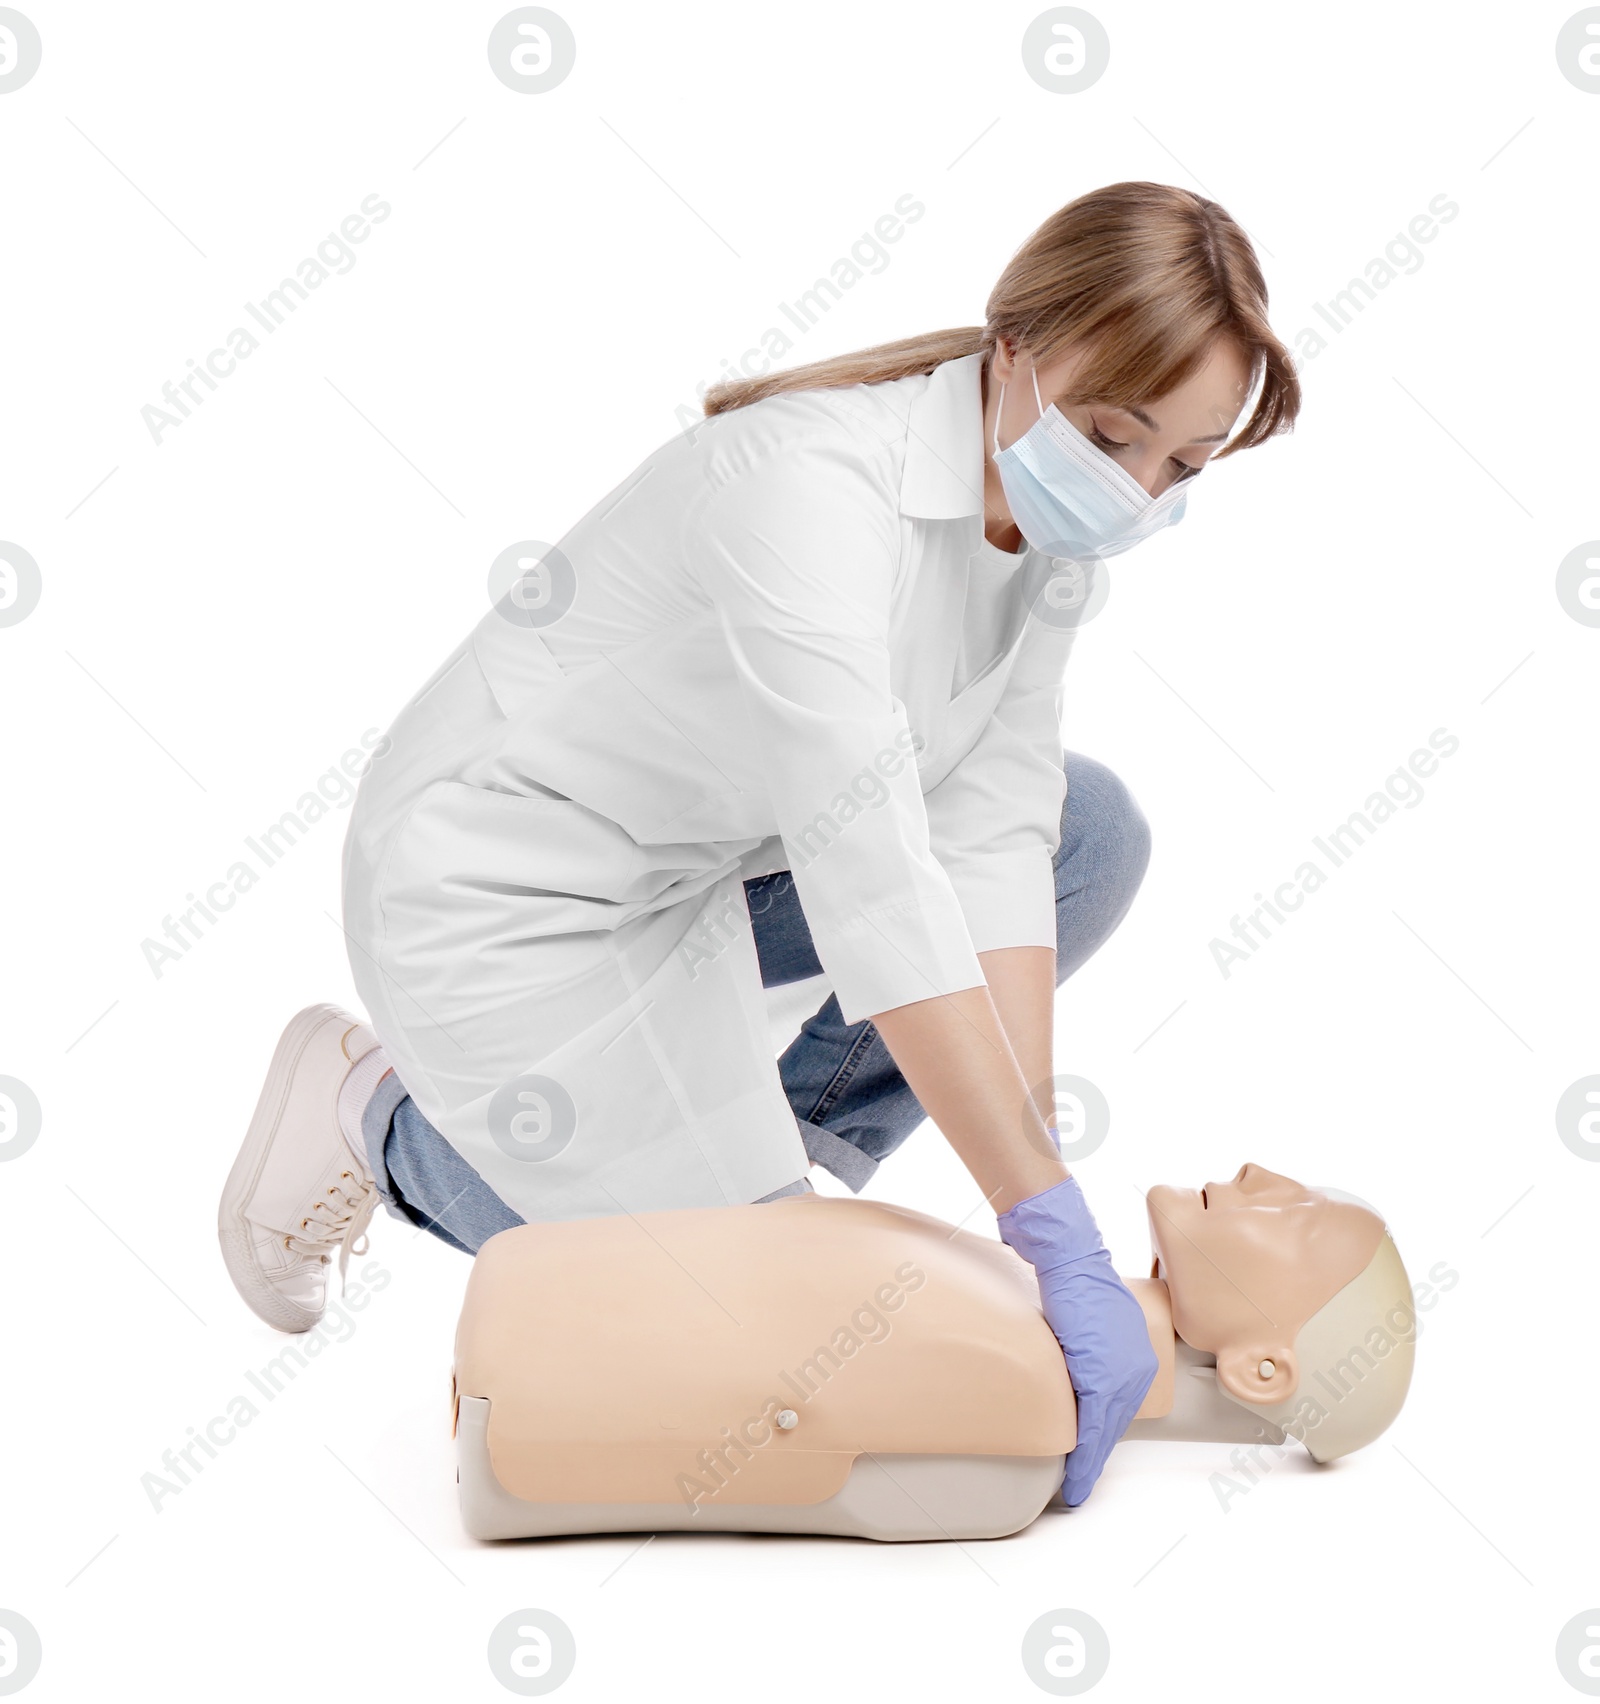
(994, 821)
(798, 551)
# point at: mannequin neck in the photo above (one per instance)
(1201, 1412)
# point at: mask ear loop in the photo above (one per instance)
(1000, 404)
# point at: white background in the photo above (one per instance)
(230, 610)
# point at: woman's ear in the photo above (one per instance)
(1258, 1373)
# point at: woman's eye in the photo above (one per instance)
(1183, 469)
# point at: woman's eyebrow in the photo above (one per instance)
(1145, 421)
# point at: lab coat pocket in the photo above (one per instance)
(529, 863)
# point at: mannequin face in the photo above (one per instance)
(1248, 1262)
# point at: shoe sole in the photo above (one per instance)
(233, 1229)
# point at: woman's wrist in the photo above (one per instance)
(959, 1063)
(1026, 1184)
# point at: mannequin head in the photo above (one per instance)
(1299, 1294)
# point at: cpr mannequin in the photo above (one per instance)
(841, 1366)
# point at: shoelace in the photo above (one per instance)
(345, 1218)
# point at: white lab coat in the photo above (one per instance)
(543, 874)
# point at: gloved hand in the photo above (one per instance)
(1097, 1321)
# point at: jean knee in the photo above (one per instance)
(1101, 818)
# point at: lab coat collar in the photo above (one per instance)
(943, 474)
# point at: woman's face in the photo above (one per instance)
(1156, 443)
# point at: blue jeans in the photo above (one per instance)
(852, 1104)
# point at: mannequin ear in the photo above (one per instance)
(1258, 1373)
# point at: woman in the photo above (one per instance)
(786, 702)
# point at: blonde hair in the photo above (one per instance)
(1148, 278)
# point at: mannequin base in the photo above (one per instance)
(904, 1499)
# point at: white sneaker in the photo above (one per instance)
(298, 1189)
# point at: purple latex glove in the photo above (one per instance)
(1095, 1316)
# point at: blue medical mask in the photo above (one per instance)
(1069, 498)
